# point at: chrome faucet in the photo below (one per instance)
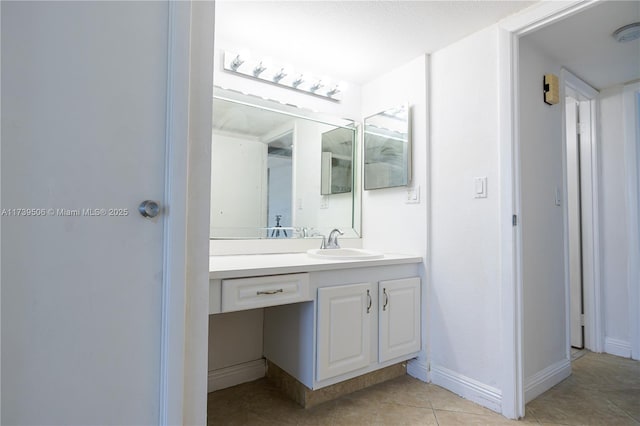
(303, 231)
(332, 241)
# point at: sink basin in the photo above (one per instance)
(345, 253)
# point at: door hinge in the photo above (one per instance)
(582, 320)
(583, 129)
(514, 220)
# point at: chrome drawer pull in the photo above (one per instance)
(270, 291)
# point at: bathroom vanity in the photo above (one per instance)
(325, 320)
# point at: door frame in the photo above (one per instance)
(0, 227)
(590, 228)
(509, 32)
(631, 99)
(185, 281)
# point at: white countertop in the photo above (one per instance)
(289, 263)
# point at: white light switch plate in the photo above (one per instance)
(413, 195)
(480, 187)
(324, 202)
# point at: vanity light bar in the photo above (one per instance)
(241, 64)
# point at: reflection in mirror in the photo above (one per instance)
(387, 149)
(337, 162)
(279, 185)
(267, 171)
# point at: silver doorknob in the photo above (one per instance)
(149, 208)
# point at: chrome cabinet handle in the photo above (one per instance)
(386, 299)
(149, 208)
(270, 291)
(370, 301)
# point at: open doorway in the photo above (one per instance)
(579, 39)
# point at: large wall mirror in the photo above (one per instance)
(387, 149)
(279, 171)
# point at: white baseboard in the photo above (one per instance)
(545, 379)
(617, 347)
(468, 388)
(418, 369)
(236, 374)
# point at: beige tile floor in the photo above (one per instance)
(603, 390)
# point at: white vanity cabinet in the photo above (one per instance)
(398, 318)
(336, 321)
(344, 329)
(348, 321)
(258, 292)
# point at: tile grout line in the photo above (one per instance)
(436, 417)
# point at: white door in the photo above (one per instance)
(84, 107)
(344, 329)
(582, 209)
(399, 318)
(572, 114)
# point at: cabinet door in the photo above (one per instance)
(344, 329)
(399, 318)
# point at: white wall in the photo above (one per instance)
(388, 223)
(239, 337)
(543, 267)
(614, 226)
(464, 301)
(200, 115)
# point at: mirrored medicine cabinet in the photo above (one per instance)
(387, 148)
(279, 171)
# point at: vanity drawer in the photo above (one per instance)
(259, 292)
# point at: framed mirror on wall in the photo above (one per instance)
(387, 148)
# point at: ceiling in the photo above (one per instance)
(354, 41)
(583, 44)
(357, 41)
